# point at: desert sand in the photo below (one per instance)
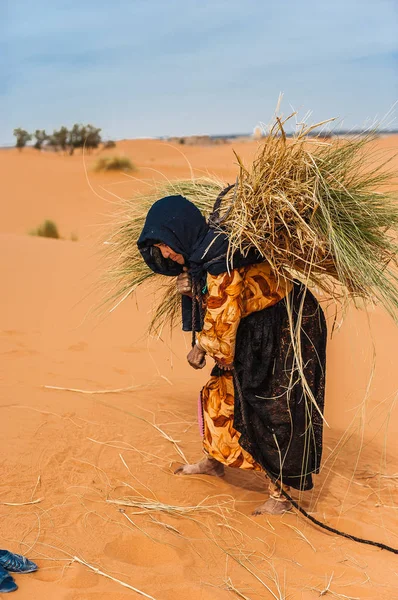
(67, 456)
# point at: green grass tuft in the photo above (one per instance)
(114, 163)
(47, 229)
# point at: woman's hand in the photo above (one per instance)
(184, 283)
(224, 367)
(196, 358)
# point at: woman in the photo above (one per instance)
(262, 407)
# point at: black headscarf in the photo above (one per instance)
(178, 223)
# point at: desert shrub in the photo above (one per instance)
(109, 144)
(59, 139)
(46, 229)
(22, 138)
(114, 163)
(86, 136)
(79, 136)
(41, 137)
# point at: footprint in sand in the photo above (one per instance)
(120, 371)
(21, 349)
(130, 349)
(11, 332)
(75, 576)
(78, 347)
(19, 353)
(141, 552)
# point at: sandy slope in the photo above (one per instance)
(73, 452)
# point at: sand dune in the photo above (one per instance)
(67, 455)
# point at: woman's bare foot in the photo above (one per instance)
(207, 466)
(273, 507)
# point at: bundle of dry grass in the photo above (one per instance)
(315, 210)
(318, 211)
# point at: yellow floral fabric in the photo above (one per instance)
(231, 297)
(221, 440)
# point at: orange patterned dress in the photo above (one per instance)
(231, 297)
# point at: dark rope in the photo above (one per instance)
(196, 303)
(214, 219)
(193, 340)
(336, 531)
(354, 538)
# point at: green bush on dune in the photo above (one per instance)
(114, 163)
(47, 229)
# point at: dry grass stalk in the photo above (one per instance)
(112, 445)
(22, 503)
(78, 391)
(124, 584)
(38, 483)
(149, 505)
(166, 435)
(371, 475)
(229, 586)
(165, 525)
(153, 539)
(301, 534)
(326, 590)
(278, 594)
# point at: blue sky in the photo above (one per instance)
(174, 67)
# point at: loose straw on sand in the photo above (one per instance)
(149, 505)
(229, 586)
(126, 585)
(65, 389)
(21, 503)
(162, 433)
